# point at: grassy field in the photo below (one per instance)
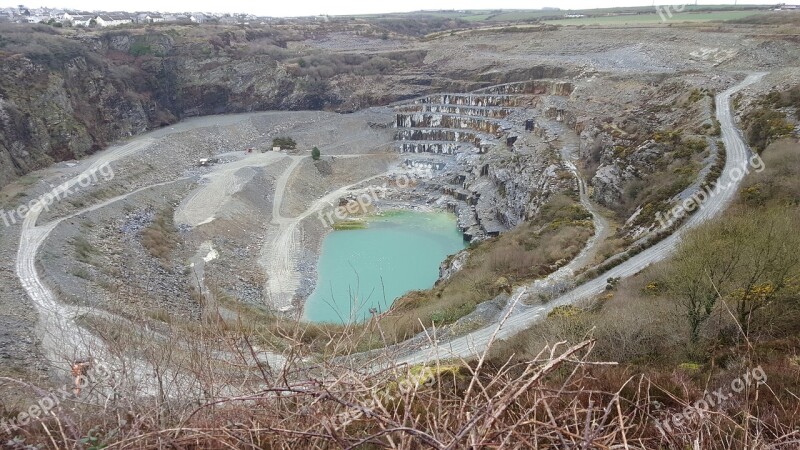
(641, 15)
(654, 18)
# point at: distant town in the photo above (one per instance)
(75, 18)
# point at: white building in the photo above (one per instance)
(112, 20)
(76, 20)
(82, 21)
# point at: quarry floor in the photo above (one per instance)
(254, 211)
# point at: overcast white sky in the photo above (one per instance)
(337, 7)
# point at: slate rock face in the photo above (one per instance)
(65, 96)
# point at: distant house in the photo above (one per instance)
(198, 18)
(154, 18)
(77, 20)
(104, 21)
(82, 21)
(122, 19)
(112, 20)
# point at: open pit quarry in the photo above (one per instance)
(493, 157)
(554, 149)
(272, 232)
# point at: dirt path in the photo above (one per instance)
(205, 202)
(558, 281)
(62, 339)
(281, 264)
(564, 275)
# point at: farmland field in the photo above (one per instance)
(656, 18)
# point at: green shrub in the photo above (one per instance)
(285, 143)
(765, 126)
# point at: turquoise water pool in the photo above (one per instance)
(370, 268)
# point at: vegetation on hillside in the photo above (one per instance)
(321, 66)
(766, 124)
(727, 302)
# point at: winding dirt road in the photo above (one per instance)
(62, 339)
(281, 256)
(518, 319)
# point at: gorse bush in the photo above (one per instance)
(285, 143)
(764, 126)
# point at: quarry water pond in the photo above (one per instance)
(397, 252)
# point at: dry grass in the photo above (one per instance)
(643, 325)
(159, 238)
(559, 397)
